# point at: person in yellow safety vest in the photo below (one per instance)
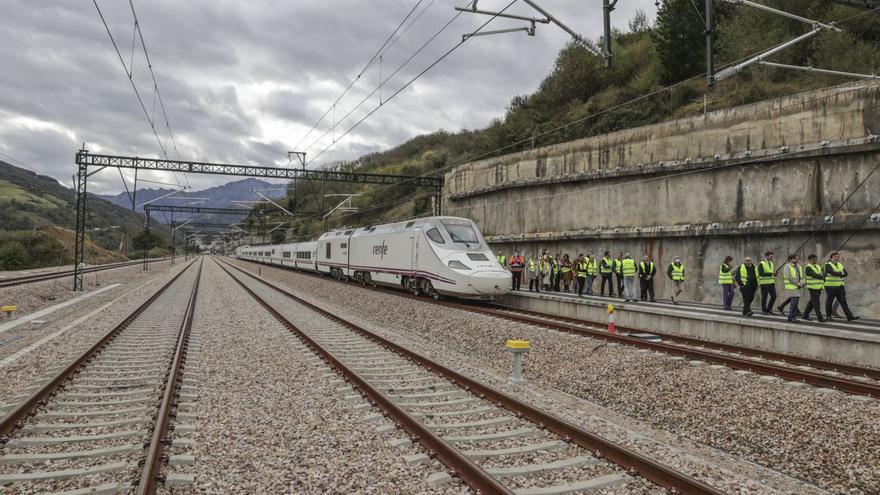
(747, 278)
(592, 272)
(618, 273)
(502, 260)
(534, 274)
(557, 271)
(546, 269)
(606, 269)
(725, 279)
(767, 283)
(647, 271)
(628, 270)
(565, 270)
(580, 271)
(675, 272)
(793, 278)
(815, 278)
(835, 272)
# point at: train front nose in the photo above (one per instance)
(491, 282)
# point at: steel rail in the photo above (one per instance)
(657, 473)
(469, 472)
(792, 359)
(545, 320)
(791, 374)
(15, 417)
(150, 475)
(41, 277)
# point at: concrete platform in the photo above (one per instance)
(854, 343)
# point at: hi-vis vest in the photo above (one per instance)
(592, 267)
(582, 269)
(531, 265)
(767, 266)
(544, 266)
(744, 274)
(607, 266)
(677, 272)
(647, 267)
(566, 269)
(725, 278)
(833, 280)
(794, 273)
(815, 283)
(555, 266)
(628, 267)
(502, 259)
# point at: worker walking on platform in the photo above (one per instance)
(628, 270)
(747, 278)
(725, 279)
(533, 270)
(581, 273)
(815, 279)
(546, 272)
(592, 272)
(835, 288)
(793, 277)
(606, 269)
(647, 271)
(566, 272)
(767, 283)
(618, 273)
(516, 267)
(675, 272)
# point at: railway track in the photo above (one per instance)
(492, 441)
(101, 423)
(42, 277)
(847, 378)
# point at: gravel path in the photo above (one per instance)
(35, 367)
(832, 440)
(38, 295)
(270, 419)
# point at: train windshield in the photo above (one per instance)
(461, 232)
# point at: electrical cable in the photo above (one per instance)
(357, 78)
(379, 87)
(413, 79)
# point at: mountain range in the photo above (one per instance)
(225, 196)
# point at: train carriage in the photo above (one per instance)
(435, 256)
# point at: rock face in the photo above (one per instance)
(735, 182)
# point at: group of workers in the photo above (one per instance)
(564, 274)
(814, 277)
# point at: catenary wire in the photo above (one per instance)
(379, 87)
(361, 73)
(414, 78)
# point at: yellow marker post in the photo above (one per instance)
(8, 309)
(517, 348)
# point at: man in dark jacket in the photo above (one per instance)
(647, 271)
(747, 279)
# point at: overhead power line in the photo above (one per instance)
(413, 79)
(129, 72)
(369, 64)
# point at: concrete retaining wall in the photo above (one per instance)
(737, 182)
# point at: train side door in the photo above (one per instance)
(415, 249)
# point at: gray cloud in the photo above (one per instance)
(243, 81)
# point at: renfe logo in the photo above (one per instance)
(380, 249)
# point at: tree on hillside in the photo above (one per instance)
(680, 36)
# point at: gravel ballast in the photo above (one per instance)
(272, 419)
(832, 440)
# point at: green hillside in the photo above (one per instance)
(580, 98)
(38, 216)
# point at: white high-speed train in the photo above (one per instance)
(435, 256)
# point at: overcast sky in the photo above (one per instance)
(244, 82)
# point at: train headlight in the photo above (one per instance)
(458, 265)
